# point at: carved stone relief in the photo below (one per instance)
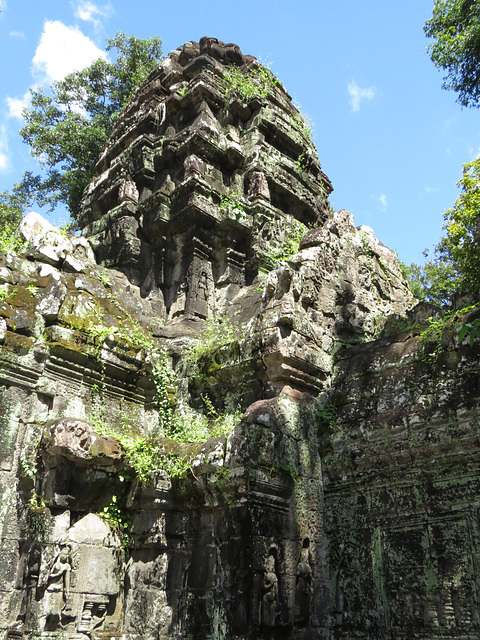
(269, 604)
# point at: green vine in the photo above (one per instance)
(6, 291)
(29, 459)
(180, 426)
(327, 413)
(216, 334)
(434, 334)
(232, 200)
(302, 163)
(288, 248)
(472, 328)
(305, 125)
(118, 518)
(182, 91)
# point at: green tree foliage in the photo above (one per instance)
(435, 281)
(12, 206)
(454, 270)
(68, 127)
(455, 48)
(461, 243)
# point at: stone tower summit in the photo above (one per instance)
(208, 170)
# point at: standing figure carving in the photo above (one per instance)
(178, 307)
(57, 590)
(269, 603)
(201, 301)
(303, 587)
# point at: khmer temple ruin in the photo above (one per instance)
(332, 489)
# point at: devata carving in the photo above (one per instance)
(57, 592)
(269, 604)
(303, 587)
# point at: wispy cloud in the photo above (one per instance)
(63, 49)
(358, 95)
(4, 160)
(473, 153)
(16, 34)
(431, 189)
(91, 12)
(382, 201)
(17, 105)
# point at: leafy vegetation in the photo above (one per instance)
(434, 335)
(118, 518)
(455, 48)
(460, 247)
(67, 129)
(289, 247)
(454, 269)
(327, 413)
(148, 455)
(470, 328)
(232, 200)
(302, 163)
(255, 81)
(12, 206)
(173, 453)
(6, 291)
(37, 504)
(216, 333)
(304, 123)
(30, 458)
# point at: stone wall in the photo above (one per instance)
(401, 480)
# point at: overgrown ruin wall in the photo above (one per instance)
(207, 431)
(401, 487)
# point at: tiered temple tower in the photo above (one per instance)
(207, 171)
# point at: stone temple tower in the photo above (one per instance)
(276, 482)
(200, 180)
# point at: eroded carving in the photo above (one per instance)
(55, 607)
(128, 190)
(269, 604)
(303, 586)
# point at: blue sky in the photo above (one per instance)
(390, 139)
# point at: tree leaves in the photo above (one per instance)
(455, 29)
(67, 129)
(472, 328)
(455, 268)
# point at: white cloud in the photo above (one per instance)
(17, 105)
(358, 95)
(91, 12)
(382, 201)
(4, 161)
(473, 153)
(62, 50)
(16, 34)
